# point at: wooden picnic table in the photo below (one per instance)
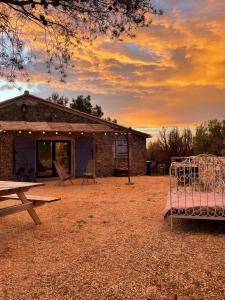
(16, 191)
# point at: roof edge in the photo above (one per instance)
(71, 110)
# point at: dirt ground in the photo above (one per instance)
(109, 241)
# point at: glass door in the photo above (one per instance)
(62, 154)
(44, 159)
(47, 152)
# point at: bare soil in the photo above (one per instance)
(109, 241)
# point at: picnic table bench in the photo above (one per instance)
(10, 190)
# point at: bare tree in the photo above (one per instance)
(63, 25)
(210, 137)
(170, 143)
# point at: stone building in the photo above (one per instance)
(35, 132)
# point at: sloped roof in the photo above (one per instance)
(52, 126)
(112, 125)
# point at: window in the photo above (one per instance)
(121, 147)
(47, 152)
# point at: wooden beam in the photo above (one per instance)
(128, 155)
(32, 198)
(31, 211)
(15, 209)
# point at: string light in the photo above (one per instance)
(82, 133)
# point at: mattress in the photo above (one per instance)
(195, 204)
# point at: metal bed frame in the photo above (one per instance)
(197, 188)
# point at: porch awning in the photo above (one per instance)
(54, 127)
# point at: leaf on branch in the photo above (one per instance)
(43, 20)
(61, 26)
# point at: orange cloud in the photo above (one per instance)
(172, 73)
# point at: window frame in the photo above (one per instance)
(53, 142)
(121, 154)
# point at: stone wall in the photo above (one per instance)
(104, 153)
(6, 156)
(37, 111)
(138, 155)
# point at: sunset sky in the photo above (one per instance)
(171, 74)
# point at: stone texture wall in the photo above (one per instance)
(138, 155)
(104, 153)
(37, 111)
(6, 156)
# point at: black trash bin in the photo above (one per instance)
(148, 167)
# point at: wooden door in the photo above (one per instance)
(84, 153)
(24, 155)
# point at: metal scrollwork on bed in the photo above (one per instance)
(197, 188)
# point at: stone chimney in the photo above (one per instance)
(26, 93)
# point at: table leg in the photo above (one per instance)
(31, 211)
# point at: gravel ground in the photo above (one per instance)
(109, 241)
